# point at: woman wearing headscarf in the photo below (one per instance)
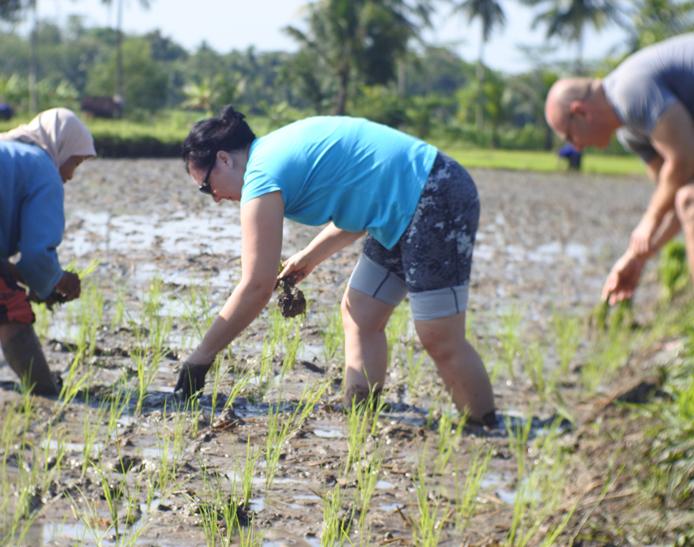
(36, 159)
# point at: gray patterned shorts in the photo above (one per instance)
(433, 258)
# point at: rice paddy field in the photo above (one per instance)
(596, 446)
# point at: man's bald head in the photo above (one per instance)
(577, 110)
(560, 97)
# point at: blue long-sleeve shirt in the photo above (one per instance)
(32, 218)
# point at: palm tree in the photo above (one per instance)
(490, 14)
(359, 38)
(568, 19)
(655, 20)
(119, 44)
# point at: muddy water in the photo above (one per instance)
(545, 245)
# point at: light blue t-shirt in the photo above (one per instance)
(358, 174)
(31, 213)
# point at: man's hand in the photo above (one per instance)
(297, 267)
(69, 286)
(191, 380)
(624, 277)
(640, 243)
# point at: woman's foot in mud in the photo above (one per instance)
(291, 300)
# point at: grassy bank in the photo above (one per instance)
(161, 136)
(546, 162)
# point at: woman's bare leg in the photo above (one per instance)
(459, 366)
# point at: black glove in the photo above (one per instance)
(191, 380)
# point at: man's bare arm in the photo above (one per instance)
(673, 138)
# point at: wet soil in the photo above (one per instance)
(544, 247)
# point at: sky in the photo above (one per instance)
(238, 24)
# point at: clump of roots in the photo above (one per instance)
(290, 300)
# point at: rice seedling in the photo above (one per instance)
(248, 472)
(27, 502)
(518, 443)
(367, 473)
(333, 335)
(534, 365)
(292, 344)
(428, 528)
(90, 317)
(43, 320)
(539, 491)
(118, 402)
(198, 311)
(239, 386)
(250, 537)
(362, 421)
(566, 333)
(467, 492)
(447, 443)
(118, 317)
(218, 371)
(221, 516)
(608, 354)
(267, 354)
(90, 428)
(85, 510)
(112, 495)
(336, 525)
(672, 269)
(73, 382)
(146, 371)
(398, 324)
(279, 429)
(510, 343)
(414, 364)
(672, 430)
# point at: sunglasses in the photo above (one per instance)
(205, 187)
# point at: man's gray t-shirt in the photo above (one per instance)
(646, 84)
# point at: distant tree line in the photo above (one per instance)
(358, 57)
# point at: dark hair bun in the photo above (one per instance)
(229, 115)
(229, 131)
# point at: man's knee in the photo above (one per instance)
(684, 204)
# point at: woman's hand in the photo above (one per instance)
(297, 266)
(69, 286)
(191, 380)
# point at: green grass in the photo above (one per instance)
(172, 127)
(546, 162)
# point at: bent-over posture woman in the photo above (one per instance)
(418, 207)
(36, 159)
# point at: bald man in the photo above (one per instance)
(648, 100)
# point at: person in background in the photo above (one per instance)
(418, 207)
(648, 101)
(36, 160)
(572, 156)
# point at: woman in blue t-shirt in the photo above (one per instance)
(418, 208)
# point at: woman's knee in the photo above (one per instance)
(684, 204)
(441, 338)
(360, 312)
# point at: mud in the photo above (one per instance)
(291, 299)
(545, 245)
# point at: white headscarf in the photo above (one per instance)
(59, 132)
